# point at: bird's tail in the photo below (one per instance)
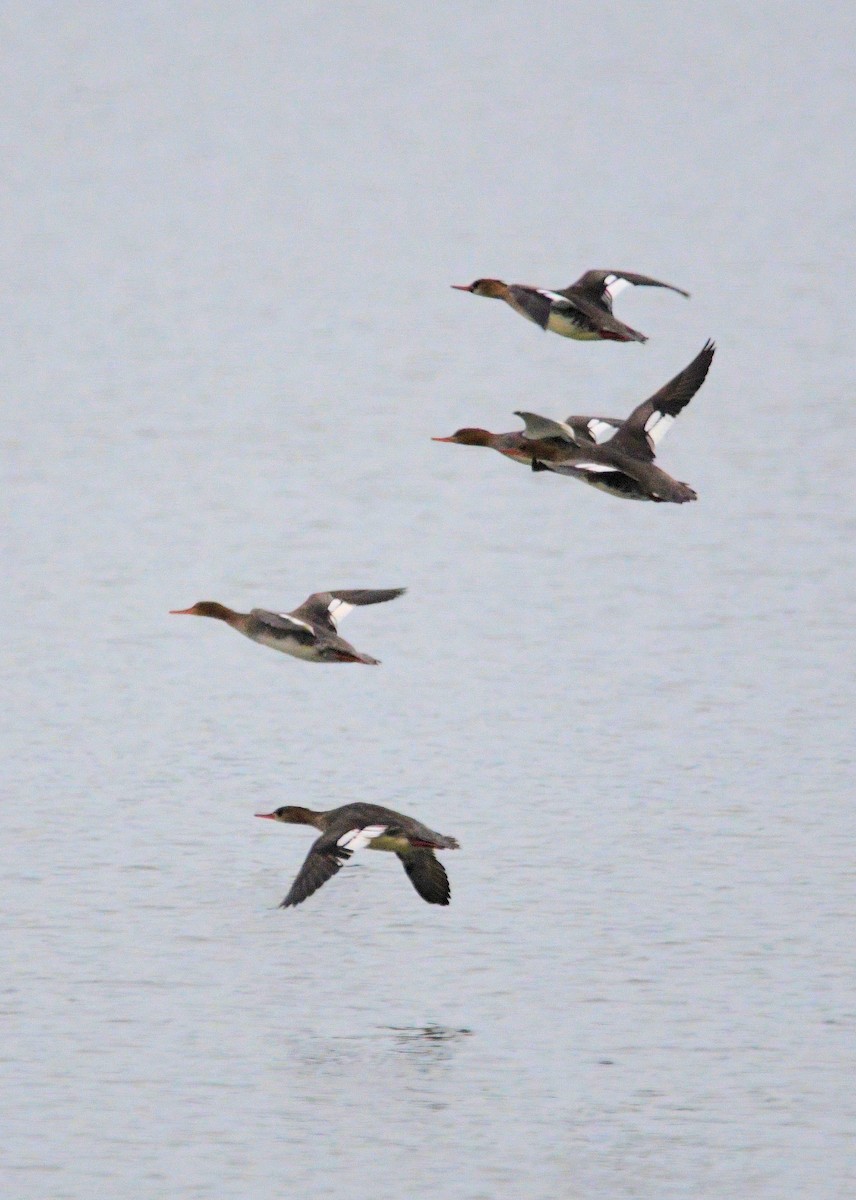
(356, 656)
(676, 492)
(623, 334)
(438, 842)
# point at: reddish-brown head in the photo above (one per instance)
(206, 608)
(289, 815)
(469, 437)
(494, 288)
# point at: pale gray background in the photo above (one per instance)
(227, 238)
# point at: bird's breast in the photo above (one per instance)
(565, 325)
(288, 644)
(519, 456)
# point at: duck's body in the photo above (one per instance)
(354, 826)
(308, 632)
(624, 465)
(515, 446)
(582, 311)
(588, 431)
(621, 475)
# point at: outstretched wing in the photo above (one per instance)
(650, 421)
(287, 621)
(330, 608)
(588, 314)
(322, 862)
(326, 856)
(538, 428)
(427, 874)
(592, 315)
(531, 302)
(603, 286)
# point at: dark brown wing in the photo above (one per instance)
(427, 874)
(322, 862)
(596, 285)
(585, 312)
(360, 596)
(328, 608)
(532, 303)
(649, 422)
(596, 316)
(287, 622)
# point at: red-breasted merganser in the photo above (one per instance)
(588, 431)
(623, 466)
(308, 632)
(353, 826)
(582, 311)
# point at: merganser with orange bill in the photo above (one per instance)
(308, 632)
(354, 826)
(623, 465)
(589, 431)
(582, 311)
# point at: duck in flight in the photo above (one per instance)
(622, 465)
(353, 826)
(582, 311)
(308, 632)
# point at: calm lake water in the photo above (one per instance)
(227, 242)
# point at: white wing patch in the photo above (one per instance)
(338, 610)
(613, 285)
(553, 296)
(594, 467)
(355, 839)
(657, 426)
(295, 621)
(600, 430)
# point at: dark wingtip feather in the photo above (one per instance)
(704, 358)
(427, 875)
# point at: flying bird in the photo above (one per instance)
(623, 465)
(582, 311)
(354, 826)
(308, 632)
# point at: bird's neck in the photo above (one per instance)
(219, 612)
(306, 816)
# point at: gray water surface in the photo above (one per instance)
(227, 242)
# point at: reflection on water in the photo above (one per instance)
(430, 1045)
